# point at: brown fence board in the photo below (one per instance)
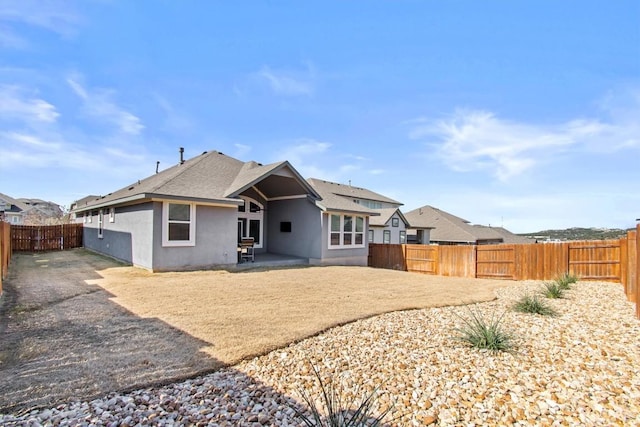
(496, 262)
(596, 260)
(631, 279)
(383, 255)
(637, 268)
(457, 261)
(35, 238)
(5, 250)
(422, 258)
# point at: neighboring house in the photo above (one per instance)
(194, 214)
(390, 227)
(448, 229)
(40, 212)
(386, 225)
(11, 210)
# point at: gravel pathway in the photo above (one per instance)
(579, 368)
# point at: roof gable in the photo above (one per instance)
(385, 217)
(210, 177)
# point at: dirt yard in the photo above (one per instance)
(77, 325)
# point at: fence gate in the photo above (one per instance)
(34, 238)
(496, 262)
(595, 260)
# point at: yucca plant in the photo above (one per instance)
(481, 333)
(566, 280)
(552, 290)
(532, 304)
(337, 411)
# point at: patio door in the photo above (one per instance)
(251, 221)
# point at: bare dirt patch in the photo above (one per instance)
(75, 324)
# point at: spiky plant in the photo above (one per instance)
(532, 304)
(482, 333)
(338, 411)
(552, 290)
(566, 280)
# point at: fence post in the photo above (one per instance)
(638, 271)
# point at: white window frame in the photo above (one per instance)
(112, 215)
(100, 224)
(386, 237)
(353, 232)
(371, 235)
(403, 237)
(165, 225)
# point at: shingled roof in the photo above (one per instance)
(339, 197)
(450, 228)
(211, 177)
(385, 216)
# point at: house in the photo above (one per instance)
(194, 215)
(11, 210)
(387, 224)
(448, 229)
(41, 212)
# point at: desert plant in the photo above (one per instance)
(532, 304)
(552, 290)
(338, 411)
(566, 280)
(481, 333)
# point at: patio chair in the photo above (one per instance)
(246, 249)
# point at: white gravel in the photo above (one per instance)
(579, 368)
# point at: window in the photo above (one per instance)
(346, 231)
(251, 220)
(386, 236)
(395, 222)
(179, 223)
(285, 227)
(403, 237)
(112, 214)
(100, 219)
(370, 236)
(89, 217)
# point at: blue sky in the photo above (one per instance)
(524, 114)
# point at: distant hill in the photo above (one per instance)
(578, 233)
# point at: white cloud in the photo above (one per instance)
(54, 16)
(471, 140)
(287, 83)
(16, 104)
(98, 103)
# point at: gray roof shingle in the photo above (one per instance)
(211, 177)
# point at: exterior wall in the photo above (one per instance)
(215, 242)
(304, 240)
(378, 232)
(355, 256)
(13, 218)
(129, 238)
(414, 235)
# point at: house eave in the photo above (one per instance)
(153, 197)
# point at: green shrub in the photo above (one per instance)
(481, 333)
(534, 305)
(566, 280)
(552, 290)
(337, 411)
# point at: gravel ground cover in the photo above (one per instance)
(579, 368)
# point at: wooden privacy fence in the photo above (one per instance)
(36, 238)
(5, 250)
(608, 260)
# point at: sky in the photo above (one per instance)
(518, 114)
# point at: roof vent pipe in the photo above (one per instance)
(157, 165)
(181, 155)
